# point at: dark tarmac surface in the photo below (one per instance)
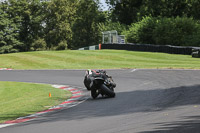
(147, 101)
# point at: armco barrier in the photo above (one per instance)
(95, 47)
(150, 48)
(196, 53)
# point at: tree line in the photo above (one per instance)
(161, 22)
(130, 11)
(29, 25)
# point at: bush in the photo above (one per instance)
(8, 49)
(141, 32)
(193, 39)
(165, 31)
(62, 45)
(174, 31)
(39, 44)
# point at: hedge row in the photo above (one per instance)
(165, 31)
(150, 48)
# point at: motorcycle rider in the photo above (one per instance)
(90, 78)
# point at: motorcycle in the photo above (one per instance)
(99, 83)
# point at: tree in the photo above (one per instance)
(109, 26)
(131, 11)
(19, 13)
(9, 32)
(125, 11)
(193, 9)
(59, 18)
(86, 26)
(27, 15)
(164, 8)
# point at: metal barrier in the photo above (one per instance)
(95, 47)
(150, 48)
(196, 53)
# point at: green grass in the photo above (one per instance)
(21, 99)
(103, 59)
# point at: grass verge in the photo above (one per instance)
(103, 59)
(21, 99)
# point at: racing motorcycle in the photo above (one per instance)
(99, 83)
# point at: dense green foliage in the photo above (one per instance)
(85, 28)
(109, 26)
(27, 25)
(59, 16)
(141, 32)
(129, 11)
(165, 31)
(163, 22)
(9, 35)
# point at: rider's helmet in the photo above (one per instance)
(89, 72)
(102, 71)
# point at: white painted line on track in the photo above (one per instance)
(133, 70)
(6, 125)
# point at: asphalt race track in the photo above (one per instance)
(147, 101)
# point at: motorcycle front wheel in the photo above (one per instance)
(94, 93)
(107, 91)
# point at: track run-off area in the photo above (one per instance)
(147, 101)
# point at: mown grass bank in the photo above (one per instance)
(103, 59)
(21, 99)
